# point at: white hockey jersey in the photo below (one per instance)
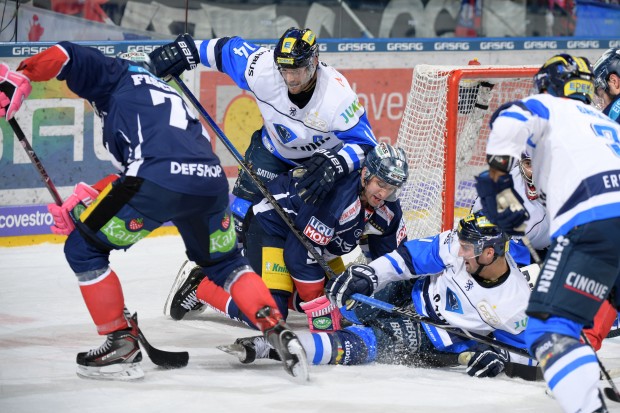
(575, 153)
(446, 292)
(333, 115)
(537, 226)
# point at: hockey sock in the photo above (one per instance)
(251, 294)
(104, 299)
(353, 345)
(571, 371)
(318, 346)
(215, 296)
(603, 321)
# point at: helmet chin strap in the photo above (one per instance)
(481, 266)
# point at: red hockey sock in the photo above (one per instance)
(214, 295)
(251, 294)
(603, 320)
(105, 302)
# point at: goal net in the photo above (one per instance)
(444, 131)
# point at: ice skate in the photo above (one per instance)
(116, 359)
(284, 341)
(182, 297)
(248, 349)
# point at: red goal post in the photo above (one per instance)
(444, 131)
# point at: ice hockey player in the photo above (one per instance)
(168, 172)
(575, 161)
(463, 278)
(607, 82)
(310, 113)
(364, 204)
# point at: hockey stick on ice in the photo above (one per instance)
(410, 313)
(162, 358)
(239, 158)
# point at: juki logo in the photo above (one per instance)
(551, 265)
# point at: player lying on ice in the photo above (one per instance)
(362, 206)
(464, 278)
(150, 133)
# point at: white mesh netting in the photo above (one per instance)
(424, 135)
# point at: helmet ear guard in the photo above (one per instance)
(566, 76)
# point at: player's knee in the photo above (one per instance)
(537, 327)
(84, 258)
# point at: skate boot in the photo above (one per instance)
(248, 349)
(182, 298)
(284, 341)
(117, 359)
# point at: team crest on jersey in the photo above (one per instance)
(350, 212)
(284, 134)
(318, 232)
(312, 119)
(453, 304)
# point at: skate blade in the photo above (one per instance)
(297, 365)
(182, 275)
(236, 350)
(120, 372)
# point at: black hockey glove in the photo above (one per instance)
(501, 204)
(487, 361)
(323, 169)
(356, 279)
(174, 58)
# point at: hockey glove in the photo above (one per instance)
(68, 213)
(14, 89)
(487, 361)
(174, 58)
(323, 316)
(323, 169)
(501, 204)
(356, 279)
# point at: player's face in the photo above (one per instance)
(527, 167)
(377, 191)
(297, 79)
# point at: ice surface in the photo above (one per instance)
(44, 324)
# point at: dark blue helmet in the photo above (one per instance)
(566, 76)
(479, 231)
(607, 64)
(388, 164)
(296, 48)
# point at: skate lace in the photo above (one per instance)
(103, 348)
(190, 302)
(262, 347)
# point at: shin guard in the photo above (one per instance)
(251, 294)
(104, 299)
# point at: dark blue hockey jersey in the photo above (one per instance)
(337, 225)
(147, 127)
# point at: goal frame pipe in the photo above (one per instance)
(455, 77)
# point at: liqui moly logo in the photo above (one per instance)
(318, 232)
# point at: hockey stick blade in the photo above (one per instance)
(162, 358)
(612, 394)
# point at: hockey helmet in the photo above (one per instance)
(527, 175)
(139, 58)
(389, 164)
(296, 48)
(607, 64)
(476, 229)
(566, 76)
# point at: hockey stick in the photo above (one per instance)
(263, 189)
(410, 313)
(162, 358)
